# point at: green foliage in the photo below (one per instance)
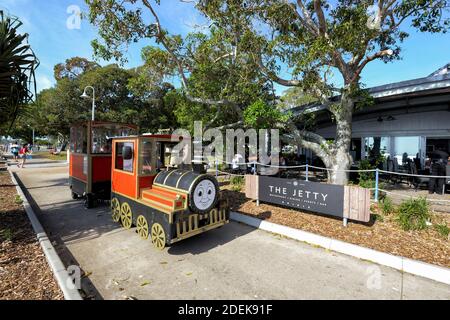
(237, 183)
(18, 200)
(73, 68)
(413, 214)
(386, 206)
(119, 98)
(443, 230)
(260, 115)
(366, 179)
(17, 71)
(7, 234)
(378, 217)
(211, 72)
(295, 97)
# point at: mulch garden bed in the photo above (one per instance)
(382, 234)
(24, 272)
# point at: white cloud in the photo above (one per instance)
(43, 82)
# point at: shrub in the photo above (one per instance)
(237, 183)
(366, 179)
(6, 234)
(378, 217)
(413, 214)
(386, 206)
(443, 230)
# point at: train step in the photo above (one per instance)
(163, 200)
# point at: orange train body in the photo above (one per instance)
(159, 200)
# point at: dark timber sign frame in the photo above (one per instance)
(345, 202)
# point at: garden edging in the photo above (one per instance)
(59, 271)
(426, 270)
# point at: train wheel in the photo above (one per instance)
(142, 227)
(115, 208)
(126, 217)
(158, 236)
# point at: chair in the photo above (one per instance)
(391, 168)
(418, 181)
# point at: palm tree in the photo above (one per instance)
(17, 70)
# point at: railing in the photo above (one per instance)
(308, 168)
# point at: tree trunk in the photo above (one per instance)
(337, 166)
(341, 160)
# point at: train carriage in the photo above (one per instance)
(90, 159)
(165, 204)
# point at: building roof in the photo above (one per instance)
(438, 80)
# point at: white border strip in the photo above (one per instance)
(414, 267)
(59, 271)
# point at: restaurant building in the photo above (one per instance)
(411, 117)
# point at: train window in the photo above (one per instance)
(73, 139)
(146, 160)
(124, 162)
(81, 140)
(165, 154)
(100, 140)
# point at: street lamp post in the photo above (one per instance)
(86, 96)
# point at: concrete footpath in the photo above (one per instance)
(234, 262)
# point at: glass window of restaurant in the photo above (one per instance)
(400, 150)
(374, 146)
(406, 149)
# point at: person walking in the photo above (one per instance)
(438, 168)
(23, 155)
(15, 151)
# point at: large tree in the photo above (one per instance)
(120, 97)
(323, 46)
(17, 67)
(73, 68)
(210, 74)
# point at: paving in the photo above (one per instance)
(233, 262)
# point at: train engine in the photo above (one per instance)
(166, 204)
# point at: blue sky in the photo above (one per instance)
(53, 42)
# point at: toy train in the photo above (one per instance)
(166, 205)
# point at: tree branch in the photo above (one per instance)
(307, 20)
(273, 76)
(320, 17)
(377, 55)
(162, 38)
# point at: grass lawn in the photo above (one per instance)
(47, 155)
